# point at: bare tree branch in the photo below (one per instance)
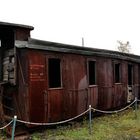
(124, 47)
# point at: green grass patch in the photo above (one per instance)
(121, 126)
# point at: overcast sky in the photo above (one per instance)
(100, 22)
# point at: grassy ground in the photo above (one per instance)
(122, 126)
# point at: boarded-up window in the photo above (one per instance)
(117, 73)
(92, 72)
(54, 71)
(130, 74)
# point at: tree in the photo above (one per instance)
(124, 47)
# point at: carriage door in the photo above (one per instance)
(55, 90)
(130, 83)
(37, 87)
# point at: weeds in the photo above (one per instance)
(122, 126)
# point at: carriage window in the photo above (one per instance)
(130, 74)
(92, 72)
(54, 73)
(117, 74)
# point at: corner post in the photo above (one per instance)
(14, 126)
(89, 119)
(136, 105)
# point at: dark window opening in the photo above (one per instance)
(117, 75)
(92, 72)
(54, 71)
(7, 38)
(7, 43)
(130, 74)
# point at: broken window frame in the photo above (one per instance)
(11, 66)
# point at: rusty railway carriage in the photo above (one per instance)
(43, 81)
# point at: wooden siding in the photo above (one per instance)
(75, 95)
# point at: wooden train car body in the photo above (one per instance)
(44, 81)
